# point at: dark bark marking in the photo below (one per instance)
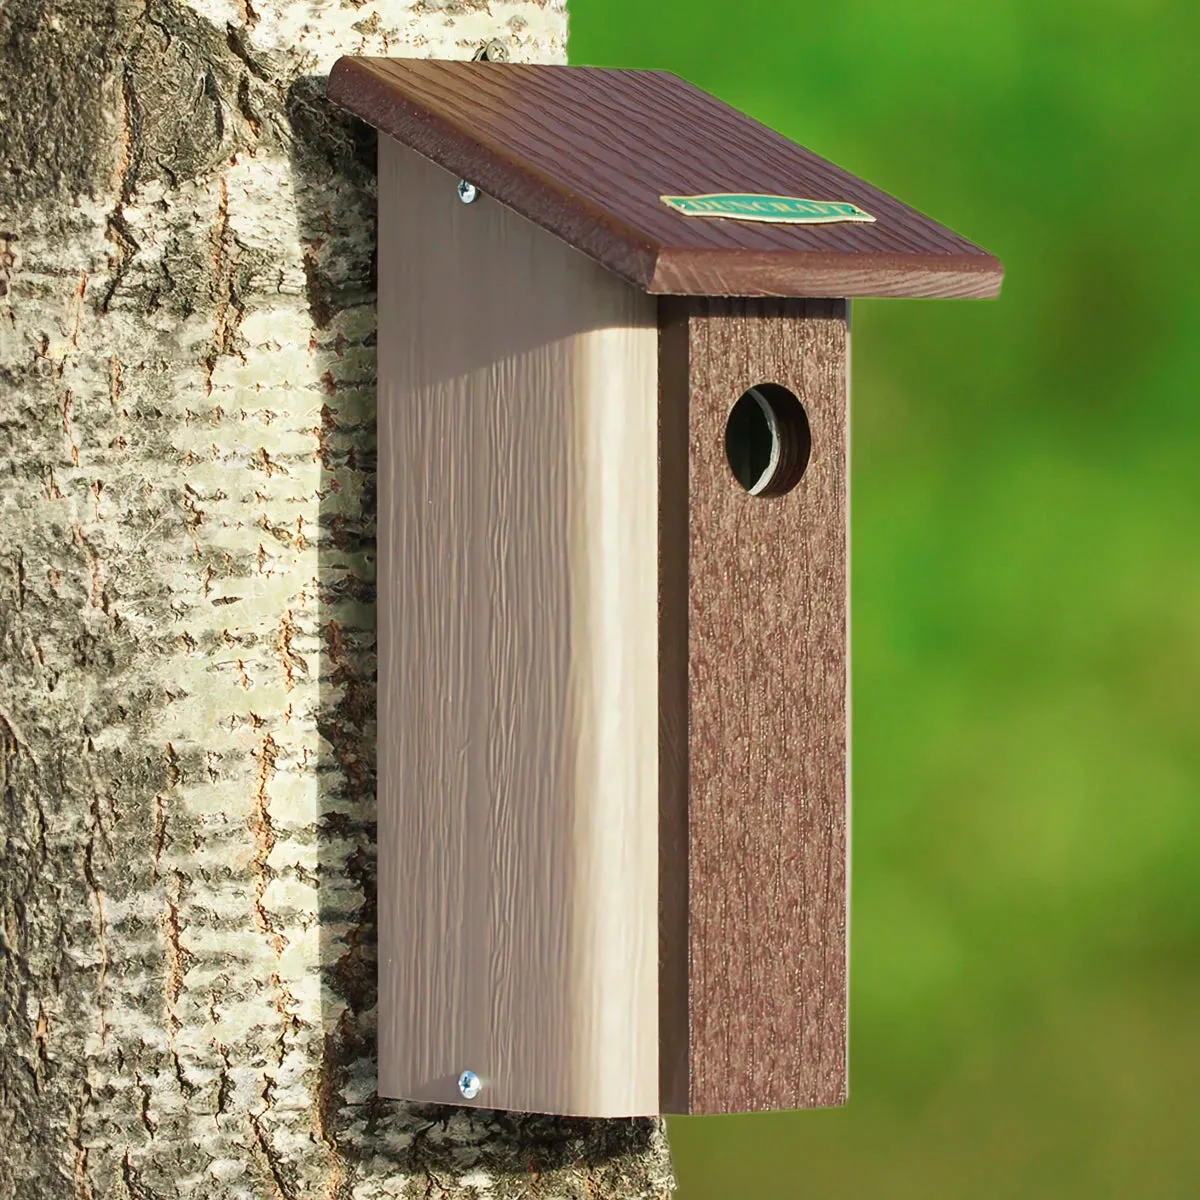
(278, 1169)
(233, 39)
(318, 292)
(252, 119)
(214, 96)
(264, 835)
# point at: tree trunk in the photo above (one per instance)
(187, 690)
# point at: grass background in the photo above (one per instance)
(1025, 1009)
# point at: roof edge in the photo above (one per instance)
(832, 275)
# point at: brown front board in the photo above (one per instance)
(753, 719)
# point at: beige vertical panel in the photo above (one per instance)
(518, 779)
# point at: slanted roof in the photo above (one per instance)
(588, 152)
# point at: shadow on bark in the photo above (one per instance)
(333, 166)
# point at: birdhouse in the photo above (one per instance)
(612, 586)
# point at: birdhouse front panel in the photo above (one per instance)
(753, 641)
(613, 676)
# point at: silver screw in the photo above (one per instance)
(468, 193)
(469, 1084)
(493, 51)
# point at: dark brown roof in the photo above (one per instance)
(587, 152)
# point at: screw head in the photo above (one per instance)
(494, 51)
(469, 1084)
(468, 193)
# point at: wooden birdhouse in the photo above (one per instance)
(612, 586)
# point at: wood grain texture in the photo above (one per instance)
(518, 746)
(762, 843)
(586, 152)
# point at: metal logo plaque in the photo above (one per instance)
(781, 210)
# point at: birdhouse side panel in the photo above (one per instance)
(518, 768)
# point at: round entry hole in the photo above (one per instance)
(768, 440)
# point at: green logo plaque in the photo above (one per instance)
(783, 210)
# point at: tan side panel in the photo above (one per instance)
(517, 661)
(764, 834)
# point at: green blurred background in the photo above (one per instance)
(1025, 1007)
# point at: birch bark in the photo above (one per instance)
(187, 691)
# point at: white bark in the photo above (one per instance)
(187, 685)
